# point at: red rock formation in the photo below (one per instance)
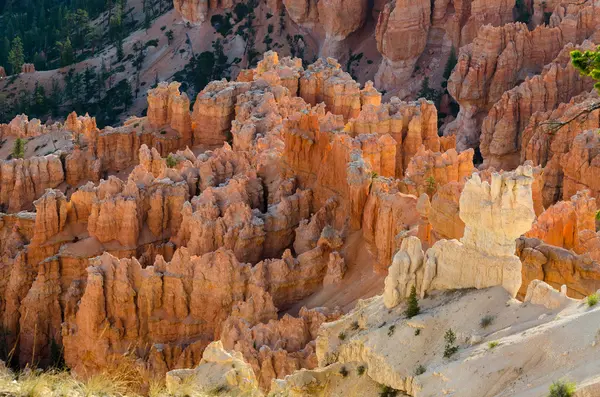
(167, 106)
(325, 81)
(327, 161)
(500, 56)
(570, 224)
(214, 110)
(24, 180)
(28, 68)
(402, 30)
(389, 216)
(279, 347)
(411, 124)
(196, 11)
(557, 266)
(549, 137)
(501, 131)
(428, 171)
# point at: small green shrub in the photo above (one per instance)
(18, 149)
(592, 300)
(420, 370)
(413, 304)
(163, 132)
(492, 344)
(387, 391)
(486, 321)
(431, 183)
(391, 330)
(450, 348)
(344, 372)
(360, 370)
(341, 336)
(151, 43)
(417, 331)
(171, 161)
(354, 326)
(562, 388)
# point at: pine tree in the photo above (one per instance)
(120, 52)
(19, 149)
(16, 58)
(67, 55)
(588, 64)
(413, 304)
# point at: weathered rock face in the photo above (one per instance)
(196, 11)
(218, 370)
(548, 138)
(581, 163)
(410, 124)
(325, 81)
(571, 225)
(388, 215)
(469, 16)
(21, 127)
(500, 57)
(2, 72)
(402, 30)
(167, 106)
(338, 18)
(279, 347)
(557, 266)
(28, 68)
(495, 214)
(548, 319)
(428, 171)
(24, 180)
(327, 161)
(502, 129)
(214, 110)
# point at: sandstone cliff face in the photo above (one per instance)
(570, 224)
(402, 30)
(196, 11)
(500, 57)
(388, 216)
(495, 214)
(410, 124)
(24, 180)
(548, 138)
(337, 19)
(502, 129)
(557, 266)
(325, 81)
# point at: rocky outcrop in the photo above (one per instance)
(570, 224)
(557, 266)
(402, 31)
(326, 160)
(410, 124)
(517, 332)
(28, 68)
(167, 106)
(388, 217)
(214, 110)
(495, 214)
(428, 171)
(338, 19)
(549, 137)
(325, 81)
(279, 347)
(220, 371)
(196, 11)
(500, 57)
(502, 129)
(25, 180)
